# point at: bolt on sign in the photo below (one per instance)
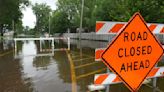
(133, 53)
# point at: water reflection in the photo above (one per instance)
(29, 48)
(52, 73)
(63, 66)
(46, 72)
(43, 46)
(36, 50)
(41, 62)
(10, 71)
(6, 45)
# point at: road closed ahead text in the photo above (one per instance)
(132, 51)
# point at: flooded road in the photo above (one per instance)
(33, 67)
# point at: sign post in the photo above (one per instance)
(133, 53)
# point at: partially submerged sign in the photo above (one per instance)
(133, 53)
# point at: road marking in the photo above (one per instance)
(3, 54)
(76, 56)
(88, 74)
(80, 66)
(82, 54)
(73, 76)
(83, 59)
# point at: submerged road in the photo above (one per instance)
(65, 71)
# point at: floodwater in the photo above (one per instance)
(33, 67)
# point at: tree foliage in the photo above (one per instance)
(59, 22)
(67, 14)
(10, 11)
(110, 10)
(42, 12)
(19, 27)
(122, 10)
(73, 10)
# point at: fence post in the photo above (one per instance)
(69, 47)
(15, 46)
(52, 45)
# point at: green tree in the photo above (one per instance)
(73, 9)
(10, 11)
(122, 10)
(19, 28)
(42, 12)
(26, 29)
(110, 10)
(59, 22)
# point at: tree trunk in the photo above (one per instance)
(1, 46)
(1, 29)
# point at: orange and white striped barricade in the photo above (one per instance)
(107, 27)
(110, 78)
(98, 52)
(101, 80)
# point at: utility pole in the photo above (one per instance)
(13, 28)
(81, 19)
(49, 24)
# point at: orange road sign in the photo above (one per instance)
(133, 53)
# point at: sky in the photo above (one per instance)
(29, 18)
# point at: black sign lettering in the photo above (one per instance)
(136, 65)
(119, 52)
(133, 36)
(132, 51)
(129, 66)
(145, 36)
(147, 64)
(126, 34)
(141, 65)
(138, 51)
(126, 53)
(139, 36)
(143, 50)
(123, 68)
(149, 49)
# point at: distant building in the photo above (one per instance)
(78, 29)
(9, 33)
(46, 34)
